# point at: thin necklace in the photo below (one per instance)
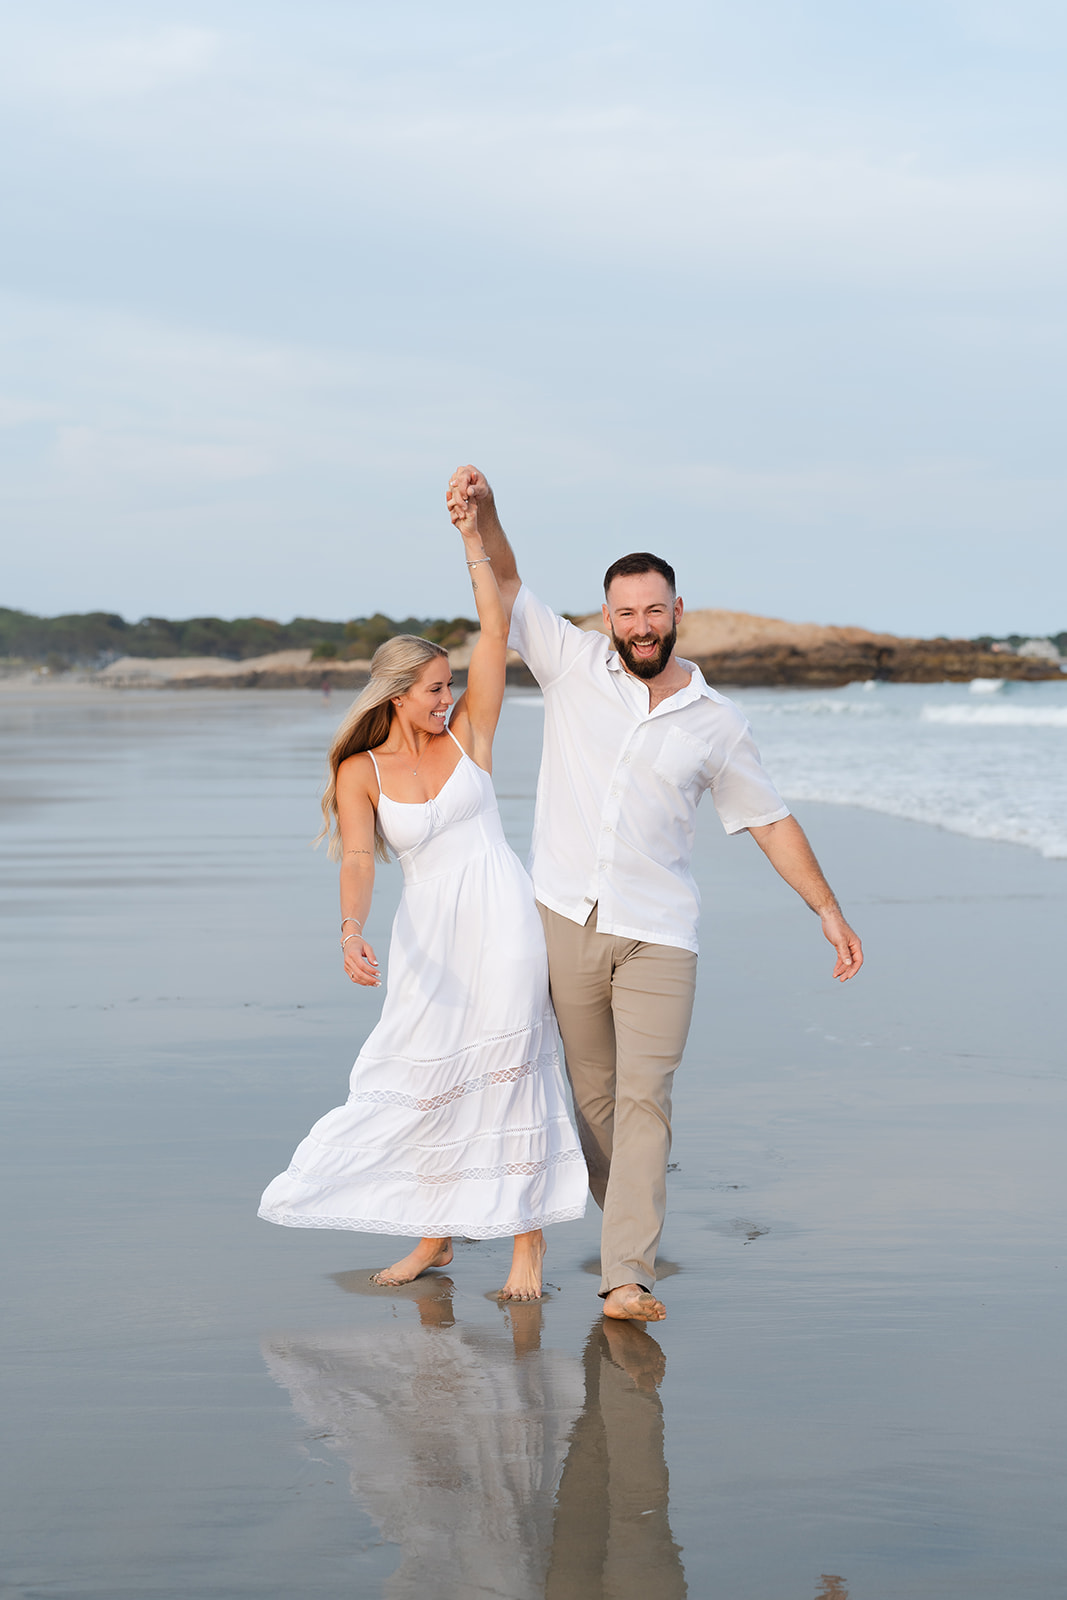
(413, 770)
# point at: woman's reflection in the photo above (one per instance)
(485, 1458)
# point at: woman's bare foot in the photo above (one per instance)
(631, 1303)
(426, 1254)
(524, 1279)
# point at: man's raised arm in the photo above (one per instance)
(467, 483)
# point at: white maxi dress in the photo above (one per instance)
(456, 1120)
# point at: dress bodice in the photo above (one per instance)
(431, 837)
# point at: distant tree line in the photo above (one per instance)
(93, 638)
(1016, 639)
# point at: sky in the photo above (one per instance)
(776, 290)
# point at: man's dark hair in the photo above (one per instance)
(633, 566)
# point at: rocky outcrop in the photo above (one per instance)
(905, 661)
(734, 647)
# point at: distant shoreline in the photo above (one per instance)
(730, 647)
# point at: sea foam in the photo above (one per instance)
(998, 716)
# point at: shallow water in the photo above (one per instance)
(857, 1392)
(985, 759)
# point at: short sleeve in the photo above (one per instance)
(743, 794)
(548, 644)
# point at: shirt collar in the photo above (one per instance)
(694, 689)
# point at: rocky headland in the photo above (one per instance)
(736, 648)
(730, 647)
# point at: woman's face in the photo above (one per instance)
(425, 706)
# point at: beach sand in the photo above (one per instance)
(857, 1392)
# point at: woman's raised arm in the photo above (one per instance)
(477, 713)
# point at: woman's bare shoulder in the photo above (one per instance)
(357, 772)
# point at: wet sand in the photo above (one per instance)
(857, 1391)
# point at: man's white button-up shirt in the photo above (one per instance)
(620, 784)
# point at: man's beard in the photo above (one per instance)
(649, 666)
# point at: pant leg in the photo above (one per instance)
(653, 986)
(579, 971)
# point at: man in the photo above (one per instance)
(633, 738)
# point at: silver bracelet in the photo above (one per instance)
(348, 936)
(479, 561)
(350, 919)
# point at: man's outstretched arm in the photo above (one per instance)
(468, 483)
(785, 844)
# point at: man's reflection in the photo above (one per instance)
(485, 1458)
(612, 1537)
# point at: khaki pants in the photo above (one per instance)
(624, 1009)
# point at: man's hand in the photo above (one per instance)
(467, 483)
(845, 942)
(786, 847)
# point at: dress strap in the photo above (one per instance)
(377, 774)
(455, 741)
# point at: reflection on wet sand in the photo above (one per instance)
(612, 1536)
(485, 1458)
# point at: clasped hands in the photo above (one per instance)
(466, 488)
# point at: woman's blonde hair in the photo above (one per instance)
(394, 668)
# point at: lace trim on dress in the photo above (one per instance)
(459, 1229)
(394, 1097)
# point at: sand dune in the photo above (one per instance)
(710, 632)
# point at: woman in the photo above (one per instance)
(456, 1121)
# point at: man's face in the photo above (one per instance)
(643, 616)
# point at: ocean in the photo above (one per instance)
(990, 762)
(987, 759)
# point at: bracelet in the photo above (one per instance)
(348, 936)
(479, 561)
(350, 919)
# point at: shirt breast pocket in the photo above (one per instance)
(682, 759)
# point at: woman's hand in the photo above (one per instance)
(463, 509)
(361, 964)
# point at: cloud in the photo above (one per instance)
(1018, 24)
(58, 63)
(592, 166)
(279, 268)
(967, 495)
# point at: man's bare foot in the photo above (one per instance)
(426, 1254)
(524, 1279)
(636, 1352)
(631, 1303)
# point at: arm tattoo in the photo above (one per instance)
(357, 852)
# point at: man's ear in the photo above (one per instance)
(678, 609)
(606, 615)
